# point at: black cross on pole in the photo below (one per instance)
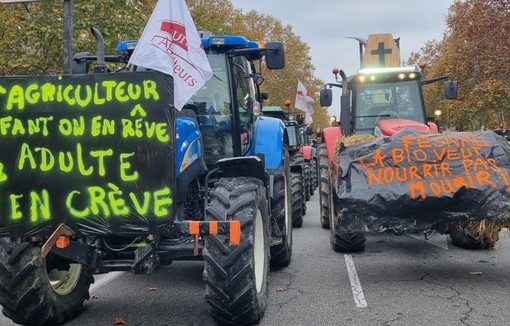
(381, 51)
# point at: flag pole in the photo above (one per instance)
(68, 36)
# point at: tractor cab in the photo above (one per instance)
(382, 93)
(383, 97)
(227, 105)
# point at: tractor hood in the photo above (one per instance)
(389, 127)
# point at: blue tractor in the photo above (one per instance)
(221, 170)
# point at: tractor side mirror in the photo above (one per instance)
(326, 97)
(275, 55)
(80, 63)
(450, 89)
(264, 96)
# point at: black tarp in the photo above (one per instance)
(413, 181)
(95, 152)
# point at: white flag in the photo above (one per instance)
(305, 102)
(170, 44)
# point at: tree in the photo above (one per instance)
(219, 16)
(32, 33)
(474, 51)
(32, 36)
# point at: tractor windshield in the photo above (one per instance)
(372, 102)
(213, 106)
(293, 135)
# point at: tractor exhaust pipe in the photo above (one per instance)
(100, 63)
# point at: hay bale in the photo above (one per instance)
(484, 230)
(348, 141)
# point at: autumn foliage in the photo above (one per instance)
(474, 51)
(32, 36)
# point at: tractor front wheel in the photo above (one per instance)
(40, 291)
(236, 276)
(342, 242)
(348, 242)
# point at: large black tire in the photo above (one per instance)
(340, 242)
(34, 292)
(281, 208)
(297, 159)
(348, 242)
(315, 178)
(344, 242)
(236, 276)
(308, 181)
(296, 199)
(303, 194)
(324, 186)
(462, 238)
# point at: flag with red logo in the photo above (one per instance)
(305, 102)
(170, 44)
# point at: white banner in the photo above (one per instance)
(170, 44)
(305, 102)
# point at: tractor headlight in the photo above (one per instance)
(256, 108)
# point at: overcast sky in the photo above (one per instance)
(325, 26)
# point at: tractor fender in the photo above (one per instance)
(329, 137)
(269, 139)
(190, 163)
(188, 143)
(244, 166)
(307, 152)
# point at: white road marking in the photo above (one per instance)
(437, 239)
(357, 291)
(103, 279)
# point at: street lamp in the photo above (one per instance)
(332, 120)
(287, 104)
(438, 115)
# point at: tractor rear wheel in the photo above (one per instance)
(313, 170)
(282, 214)
(297, 160)
(308, 181)
(40, 291)
(296, 199)
(303, 195)
(236, 276)
(324, 186)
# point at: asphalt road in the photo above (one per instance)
(397, 280)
